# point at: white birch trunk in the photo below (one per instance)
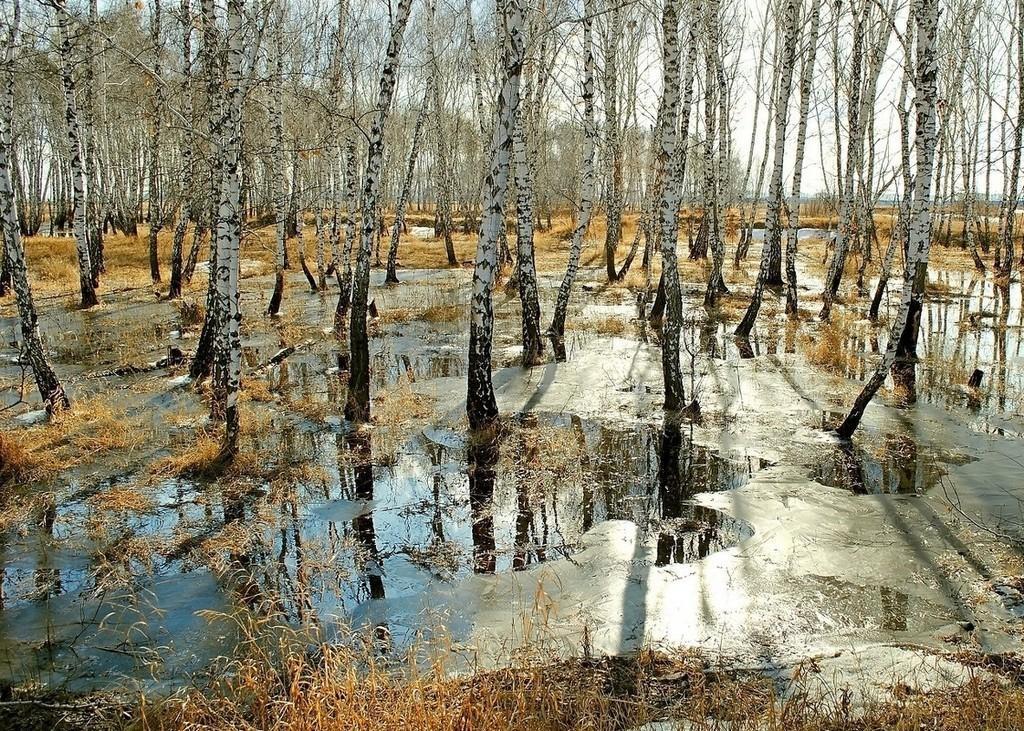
(229, 226)
(672, 161)
(588, 183)
(907, 322)
(78, 181)
(187, 167)
(481, 406)
(391, 277)
(357, 406)
(280, 183)
(854, 150)
(50, 389)
(772, 219)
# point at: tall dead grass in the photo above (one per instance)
(91, 428)
(335, 688)
(830, 346)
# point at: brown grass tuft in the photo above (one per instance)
(830, 348)
(445, 313)
(198, 458)
(22, 461)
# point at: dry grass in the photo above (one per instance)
(191, 313)
(396, 412)
(335, 688)
(830, 347)
(603, 325)
(434, 313)
(198, 457)
(22, 461)
(257, 389)
(400, 406)
(91, 428)
(121, 499)
(53, 264)
(542, 454)
(445, 313)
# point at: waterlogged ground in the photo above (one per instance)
(591, 526)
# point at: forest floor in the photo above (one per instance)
(603, 569)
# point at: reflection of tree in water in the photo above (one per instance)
(481, 458)
(689, 532)
(897, 468)
(46, 577)
(245, 555)
(1001, 328)
(529, 546)
(368, 559)
(436, 454)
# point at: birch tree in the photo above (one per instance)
(202, 360)
(898, 236)
(391, 276)
(712, 179)
(793, 206)
(613, 144)
(587, 185)
(854, 149)
(772, 220)
(50, 388)
(481, 405)
(187, 165)
(277, 141)
(357, 405)
(1006, 225)
(153, 194)
(533, 344)
(671, 195)
(78, 181)
(900, 354)
(343, 272)
(229, 229)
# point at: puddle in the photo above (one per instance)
(369, 534)
(894, 466)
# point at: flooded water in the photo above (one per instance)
(418, 531)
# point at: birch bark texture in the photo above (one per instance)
(613, 138)
(357, 404)
(391, 276)
(670, 199)
(854, 148)
(533, 343)
(187, 166)
(793, 207)
(481, 405)
(202, 360)
(277, 141)
(772, 223)
(49, 386)
(908, 318)
(588, 182)
(78, 181)
(153, 187)
(229, 228)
